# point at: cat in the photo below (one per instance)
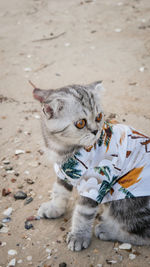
(71, 119)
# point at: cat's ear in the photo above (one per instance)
(96, 86)
(48, 111)
(40, 95)
(53, 108)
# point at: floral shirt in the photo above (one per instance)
(116, 167)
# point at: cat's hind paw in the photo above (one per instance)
(102, 232)
(77, 242)
(49, 211)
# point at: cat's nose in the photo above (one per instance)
(95, 132)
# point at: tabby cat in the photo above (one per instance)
(72, 119)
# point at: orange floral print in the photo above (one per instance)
(130, 178)
(122, 138)
(136, 132)
(128, 153)
(108, 134)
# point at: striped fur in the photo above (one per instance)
(61, 108)
(124, 220)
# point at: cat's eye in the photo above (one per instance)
(99, 117)
(80, 124)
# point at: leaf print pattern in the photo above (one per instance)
(127, 193)
(70, 168)
(100, 140)
(122, 169)
(106, 135)
(105, 188)
(146, 145)
(105, 170)
(130, 178)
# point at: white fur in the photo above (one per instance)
(57, 206)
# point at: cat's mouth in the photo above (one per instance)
(89, 147)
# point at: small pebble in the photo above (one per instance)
(20, 195)
(6, 192)
(125, 246)
(12, 252)
(20, 186)
(28, 200)
(12, 263)
(37, 217)
(19, 261)
(99, 265)
(67, 44)
(36, 116)
(4, 230)
(8, 212)
(19, 151)
(3, 244)
(29, 258)
(118, 30)
(62, 264)
(31, 218)
(28, 225)
(26, 172)
(10, 172)
(58, 74)
(95, 251)
(6, 162)
(62, 228)
(141, 69)
(111, 261)
(7, 219)
(48, 250)
(27, 69)
(8, 168)
(13, 180)
(132, 256)
(29, 181)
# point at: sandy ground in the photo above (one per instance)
(55, 43)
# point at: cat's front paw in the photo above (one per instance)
(50, 211)
(77, 242)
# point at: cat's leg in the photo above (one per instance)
(126, 221)
(82, 222)
(112, 232)
(57, 205)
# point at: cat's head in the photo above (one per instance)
(72, 114)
